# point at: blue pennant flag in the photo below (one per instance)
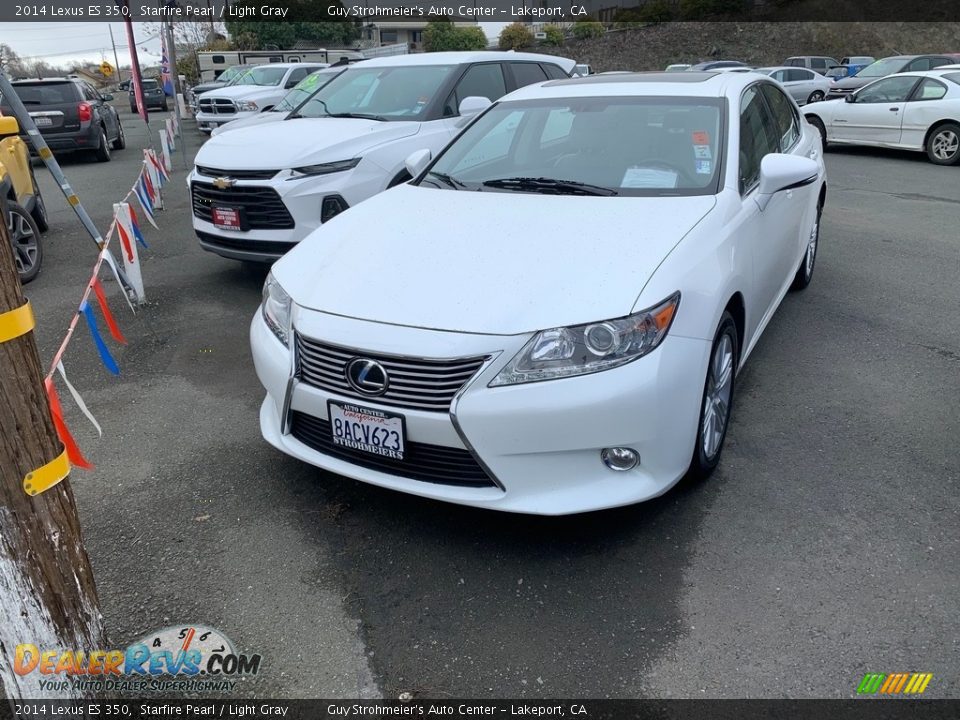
(105, 356)
(136, 232)
(144, 197)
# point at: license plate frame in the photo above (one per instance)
(225, 217)
(372, 421)
(42, 121)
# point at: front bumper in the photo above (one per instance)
(539, 442)
(85, 138)
(207, 122)
(303, 199)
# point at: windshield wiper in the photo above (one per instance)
(558, 187)
(451, 181)
(359, 116)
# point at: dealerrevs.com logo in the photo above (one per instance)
(894, 683)
(178, 658)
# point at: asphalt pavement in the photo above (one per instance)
(824, 547)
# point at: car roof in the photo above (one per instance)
(34, 81)
(286, 65)
(686, 84)
(462, 58)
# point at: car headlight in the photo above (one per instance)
(247, 106)
(582, 349)
(325, 168)
(276, 309)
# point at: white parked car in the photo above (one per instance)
(291, 101)
(551, 316)
(258, 191)
(805, 86)
(912, 111)
(258, 89)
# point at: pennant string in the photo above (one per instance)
(56, 412)
(105, 355)
(79, 400)
(105, 311)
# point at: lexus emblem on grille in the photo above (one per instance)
(223, 183)
(367, 376)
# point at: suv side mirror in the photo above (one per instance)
(850, 98)
(417, 161)
(473, 105)
(779, 171)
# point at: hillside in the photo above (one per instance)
(756, 43)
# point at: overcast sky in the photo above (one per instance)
(66, 43)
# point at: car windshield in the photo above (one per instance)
(262, 75)
(382, 93)
(651, 146)
(837, 72)
(231, 73)
(150, 85)
(46, 93)
(304, 89)
(882, 68)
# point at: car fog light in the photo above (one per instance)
(332, 206)
(620, 459)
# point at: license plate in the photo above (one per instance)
(370, 431)
(227, 218)
(43, 121)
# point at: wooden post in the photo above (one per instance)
(47, 594)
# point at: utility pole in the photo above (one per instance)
(116, 58)
(47, 594)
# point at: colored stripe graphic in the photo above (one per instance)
(894, 683)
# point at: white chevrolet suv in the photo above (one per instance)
(257, 191)
(260, 88)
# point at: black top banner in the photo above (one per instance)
(420, 11)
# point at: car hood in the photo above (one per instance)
(259, 119)
(852, 83)
(207, 87)
(299, 142)
(486, 262)
(242, 92)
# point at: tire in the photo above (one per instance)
(102, 153)
(943, 144)
(40, 208)
(818, 124)
(808, 263)
(121, 142)
(815, 97)
(715, 415)
(25, 238)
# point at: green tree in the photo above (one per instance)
(444, 35)
(515, 37)
(656, 11)
(585, 29)
(697, 9)
(304, 22)
(554, 35)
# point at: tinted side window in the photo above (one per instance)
(296, 76)
(937, 62)
(482, 81)
(794, 62)
(888, 90)
(527, 74)
(796, 75)
(758, 136)
(554, 72)
(788, 125)
(818, 63)
(919, 64)
(929, 90)
(88, 92)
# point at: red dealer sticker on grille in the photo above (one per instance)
(226, 218)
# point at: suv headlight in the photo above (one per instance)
(276, 309)
(582, 349)
(325, 168)
(247, 106)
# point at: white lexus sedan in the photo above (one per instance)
(549, 318)
(911, 111)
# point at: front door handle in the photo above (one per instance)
(894, 109)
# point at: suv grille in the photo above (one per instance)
(218, 106)
(262, 207)
(237, 174)
(414, 383)
(427, 463)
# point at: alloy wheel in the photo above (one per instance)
(26, 245)
(716, 406)
(945, 144)
(815, 96)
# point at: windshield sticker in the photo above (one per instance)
(637, 177)
(701, 138)
(701, 152)
(704, 167)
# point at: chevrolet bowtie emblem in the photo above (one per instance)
(222, 183)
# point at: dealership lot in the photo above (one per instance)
(823, 548)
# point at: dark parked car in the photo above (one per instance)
(715, 64)
(153, 95)
(882, 68)
(71, 115)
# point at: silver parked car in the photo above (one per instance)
(805, 86)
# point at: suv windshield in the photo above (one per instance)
(304, 89)
(46, 93)
(263, 75)
(150, 84)
(382, 93)
(589, 146)
(230, 74)
(882, 68)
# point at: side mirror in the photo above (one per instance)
(473, 105)
(780, 172)
(9, 125)
(850, 98)
(107, 97)
(417, 161)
